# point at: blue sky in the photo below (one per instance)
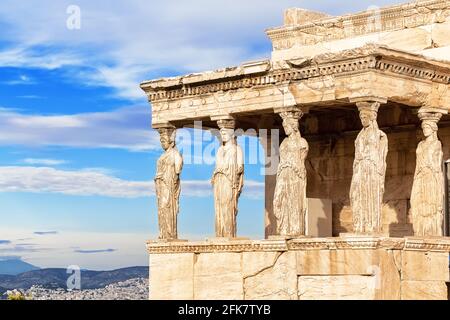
(77, 153)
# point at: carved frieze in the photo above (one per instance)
(386, 19)
(356, 243)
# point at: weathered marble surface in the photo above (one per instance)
(355, 267)
(425, 266)
(427, 195)
(275, 278)
(369, 171)
(227, 180)
(336, 262)
(218, 275)
(424, 290)
(346, 287)
(290, 202)
(167, 184)
(172, 276)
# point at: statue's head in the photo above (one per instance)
(368, 112)
(428, 128)
(290, 126)
(290, 121)
(226, 130)
(367, 117)
(429, 122)
(167, 138)
(226, 134)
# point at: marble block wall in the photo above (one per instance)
(360, 268)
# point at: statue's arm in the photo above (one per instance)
(240, 163)
(304, 145)
(178, 163)
(240, 159)
(383, 154)
(439, 157)
(356, 159)
(304, 150)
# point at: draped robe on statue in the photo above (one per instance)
(367, 186)
(427, 196)
(168, 188)
(227, 182)
(290, 202)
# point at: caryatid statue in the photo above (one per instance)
(427, 196)
(167, 184)
(369, 170)
(227, 180)
(290, 202)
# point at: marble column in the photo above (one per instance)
(227, 180)
(427, 196)
(369, 170)
(290, 204)
(167, 183)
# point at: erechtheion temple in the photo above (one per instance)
(361, 101)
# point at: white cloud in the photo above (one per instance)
(92, 183)
(32, 57)
(45, 162)
(21, 80)
(126, 128)
(125, 42)
(83, 183)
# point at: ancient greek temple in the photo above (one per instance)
(357, 207)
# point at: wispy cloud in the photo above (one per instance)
(31, 97)
(91, 183)
(7, 258)
(13, 249)
(125, 128)
(45, 162)
(43, 233)
(105, 171)
(81, 183)
(21, 80)
(34, 56)
(95, 251)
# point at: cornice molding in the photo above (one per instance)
(355, 243)
(369, 57)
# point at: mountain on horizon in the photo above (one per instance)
(14, 267)
(54, 278)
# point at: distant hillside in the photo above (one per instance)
(15, 267)
(57, 278)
